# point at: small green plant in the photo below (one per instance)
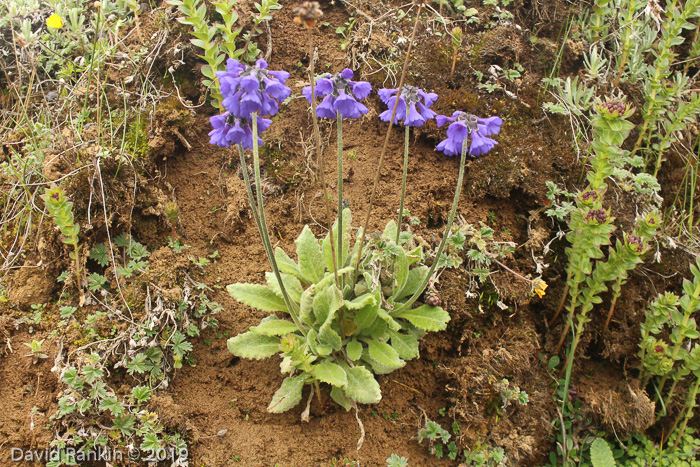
(485, 457)
(396, 461)
(456, 35)
(173, 213)
(345, 32)
(100, 254)
(35, 350)
(341, 333)
(678, 359)
(510, 393)
(61, 211)
(591, 227)
(176, 246)
(437, 437)
(218, 40)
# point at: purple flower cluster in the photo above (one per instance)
(229, 130)
(247, 90)
(413, 107)
(465, 125)
(341, 95)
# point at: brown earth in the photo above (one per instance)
(458, 367)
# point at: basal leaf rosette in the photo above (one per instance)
(348, 331)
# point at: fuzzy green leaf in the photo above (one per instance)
(362, 386)
(306, 305)
(386, 317)
(414, 280)
(366, 315)
(288, 395)
(360, 302)
(401, 269)
(341, 398)
(414, 255)
(273, 326)
(252, 345)
(287, 264)
(426, 317)
(328, 335)
(406, 345)
(354, 350)
(384, 354)
(291, 284)
(376, 367)
(327, 302)
(601, 454)
(330, 373)
(257, 296)
(390, 231)
(311, 262)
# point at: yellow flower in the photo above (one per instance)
(54, 22)
(539, 286)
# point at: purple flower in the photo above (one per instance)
(248, 89)
(410, 109)
(230, 129)
(462, 125)
(341, 94)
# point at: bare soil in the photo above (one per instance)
(453, 378)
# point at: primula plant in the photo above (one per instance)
(343, 310)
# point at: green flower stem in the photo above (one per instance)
(365, 225)
(632, 7)
(665, 58)
(574, 293)
(262, 226)
(339, 249)
(448, 229)
(403, 184)
(249, 190)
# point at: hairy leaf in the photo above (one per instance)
(257, 296)
(601, 454)
(354, 350)
(362, 386)
(273, 326)
(341, 398)
(252, 345)
(426, 317)
(413, 281)
(326, 303)
(291, 285)
(288, 395)
(311, 262)
(331, 373)
(405, 344)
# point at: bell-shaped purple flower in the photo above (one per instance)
(248, 89)
(230, 129)
(340, 94)
(413, 107)
(462, 125)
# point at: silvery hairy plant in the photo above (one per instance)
(340, 333)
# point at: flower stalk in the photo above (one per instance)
(448, 229)
(403, 182)
(339, 249)
(262, 227)
(365, 224)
